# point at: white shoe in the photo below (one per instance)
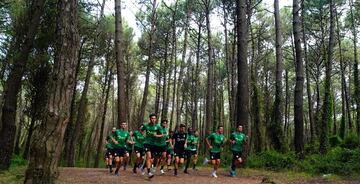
(214, 175)
(162, 172)
(150, 175)
(153, 169)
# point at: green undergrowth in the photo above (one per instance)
(343, 159)
(15, 174)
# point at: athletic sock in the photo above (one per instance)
(175, 171)
(110, 168)
(162, 167)
(148, 169)
(194, 166)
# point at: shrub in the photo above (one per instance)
(351, 142)
(335, 141)
(272, 160)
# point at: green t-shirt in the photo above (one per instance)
(216, 142)
(151, 131)
(192, 142)
(139, 139)
(121, 137)
(162, 141)
(239, 139)
(110, 144)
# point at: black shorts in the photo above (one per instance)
(158, 150)
(170, 152)
(120, 152)
(214, 156)
(237, 155)
(179, 153)
(109, 152)
(190, 153)
(150, 148)
(139, 150)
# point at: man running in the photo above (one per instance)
(237, 141)
(139, 138)
(178, 140)
(153, 133)
(110, 151)
(162, 145)
(217, 140)
(191, 147)
(120, 140)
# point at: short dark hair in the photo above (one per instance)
(122, 122)
(164, 120)
(182, 125)
(170, 132)
(220, 126)
(153, 114)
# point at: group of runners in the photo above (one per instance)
(156, 147)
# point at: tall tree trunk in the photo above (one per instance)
(106, 92)
(80, 119)
(148, 65)
(242, 98)
(158, 87)
(70, 128)
(326, 111)
(46, 147)
(307, 70)
(275, 130)
(287, 99)
(356, 69)
(120, 64)
(298, 98)
(195, 87)
(38, 101)
(20, 122)
(13, 83)
(174, 58)
(228, 63)
(165, 105)
(182, 64)
(210, 73)
(344, 102)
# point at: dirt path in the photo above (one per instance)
(87, 175)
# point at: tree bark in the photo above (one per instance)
(275, 131)
(326, 111)
(344, 102)
(13, 83)
(70, 128)
(165, 105)
(298, 98)
(46, 147)
(119, 64)
(182, 64)
(307, 70)
(242, 98)
(210, 73)
(356, 69)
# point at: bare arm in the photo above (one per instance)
(208, 143)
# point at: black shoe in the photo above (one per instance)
(134, 170)
(186, 172)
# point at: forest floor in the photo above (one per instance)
(245, 176)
